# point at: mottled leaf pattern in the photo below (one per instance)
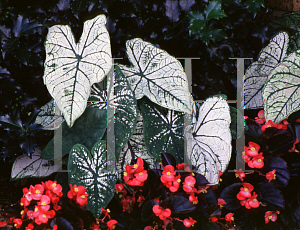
(163, 130)
(47, 117)
(125, 108)
(157, 75)
(257, 73)
(135, 148)
(90, 170)
(209, 140)
(281, 93)
(24, 166)
(290, 20)
(294, 42)
(71, 68)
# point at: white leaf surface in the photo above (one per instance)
(24, 166)
(281, 92)
(71, 68)
(157, 75)
(209, 140)
(257, 73)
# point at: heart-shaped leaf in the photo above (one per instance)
(157, 75)
(90, 170)
(125, 108)
(134, 149)
(209, 140)
(271, 195)
(24, 166)
(71, 69)
(281, 90)
(257, 73)
(47, 117)
(179, 204)
(163, 130)
(87, 130)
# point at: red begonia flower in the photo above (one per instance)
(229, 217)
(268, 125)
(188, 184)
(271, 215)
(111, 224)
(82, 198)
(271, 175)
(95, 227)
(168, 174)
(189, 222)
(17, 223)
(44, 203)
(256, 162)
(175, 184)
(3, 223)
(239, 174)
(252, 150)
(141, 176)
(24, 202)
(180, 166)
(245, 191)
(213, 218)
(161, 212)
(193, 199)
(37, 191)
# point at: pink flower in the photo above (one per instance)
(271, 215)
(261, 117)
(168, 174)
(188, 184)
(256, 162)
(245, 191)
(161, 212)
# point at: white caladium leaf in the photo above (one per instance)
(47, 117)
(90, 170)
(157, 75)
(281, 93)
(209, 140)
(134, 149)
(257, 73)
(98, 97)
(163, 130)
(24, 166)
(71, 68)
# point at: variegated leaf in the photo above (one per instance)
(90, 170)
(125, 106)
(71, 68)
(209, 140)
(47, 117)
(157, 75)
(281, 93)
(257, 73)
(163, 130)
(135, 148)
(24, 166)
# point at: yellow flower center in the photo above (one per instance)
(125, 173)
(274, 176)
(243, 153)
(120, 196)
(44, 203)
(54, 185)
(195, 202)
(44, 216)
(15, 225)
(245, 189)
(82, 196)
(22, 212)
(254, 200)
(192, 225)
(113, 226)
(236, 175)
(36, 209)
(193, 174)
(29, 193)
(220, 179)
(21, 204)
(260, 116)
(140, 173)
(178, 180)
(108, 211)
(76, 189)
(252, 149)
(270, 217)
(168, 173)
(259, 160)
(268, 126)
(188, 184)
(135, 166)
(204, 191)
(37, 191)
(232, 218)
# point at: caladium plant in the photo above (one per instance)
(151, 100)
